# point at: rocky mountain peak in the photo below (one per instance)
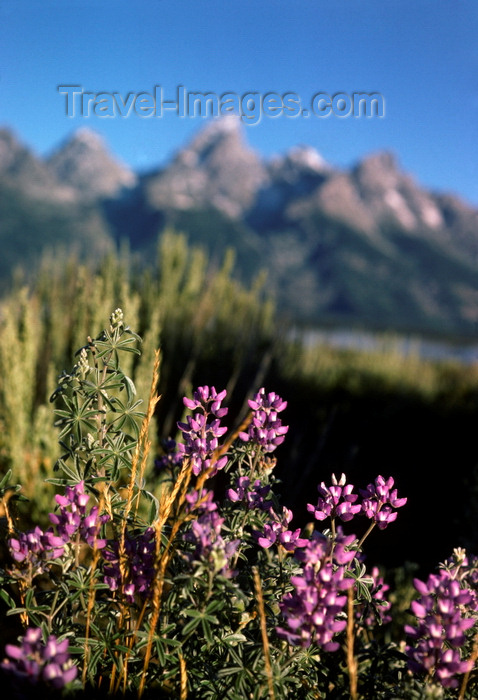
(221, 139)
(86, 139)
(290, 177)
(21, 169)
(359, 244)
(297, 163)
(392, 195)
(9, 150)
(221, 131)
(306, 158)
(84, 162)
(217, 169)
(378, 171)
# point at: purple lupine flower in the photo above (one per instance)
(170, 458)
(443, 617)
(36, 549)
(203, 396)
(378, 500)
(35, 662)
(313, 612)
(319, 545)
(255, 497)
(464, 568)
(135, 575)
(269, 535)
(73, 517)
(240, 492)
(337, 500)
(200, 435)
(210, 547)
(201, 501)
(276, 532)
(266, 428)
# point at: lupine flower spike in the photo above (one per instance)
(443, 617)
(200, 432)
(266, 427)
(313, 611)
(337, 500)
(34, 662)
(379, 499)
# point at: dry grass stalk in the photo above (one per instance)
(164, 557)
(466, 677)
(89, 609)
(142, 446)
(141, 453)
(184, 678)
(175, 500)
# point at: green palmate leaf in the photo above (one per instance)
(7, 598)
(102, 348)
(115, 457)
(110, 401)
(154, 504)
(206, 628)
(113, 380)
(130, 388)
(214, 606)
(234, 639)
(229, 671)
(192, 612)
(107, 349)
(163, 646)
(129, 344)
(73, 471)
(5, 479)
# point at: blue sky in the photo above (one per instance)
(421, 55)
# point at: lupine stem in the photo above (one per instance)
(265, 639)
(364, 537)
(351, 660)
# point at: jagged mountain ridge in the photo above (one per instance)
(84, 164)
(365, 245)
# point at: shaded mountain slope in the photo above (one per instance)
(361, 246)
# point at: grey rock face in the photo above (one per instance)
(84, 163)
(20, 168)
(366, 244)
(215, 170)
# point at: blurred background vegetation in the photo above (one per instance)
(359, 412)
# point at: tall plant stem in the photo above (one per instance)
(89, 610)
(364, 537)
(140, 453)
(265, 639)
(351, 660)
(466, 677)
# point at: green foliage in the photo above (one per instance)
(146, 610)
(211, 329)
(100, 419)
(194, 308)
(31, 226)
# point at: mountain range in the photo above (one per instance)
(364, 246)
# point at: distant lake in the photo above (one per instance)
(405, 345)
